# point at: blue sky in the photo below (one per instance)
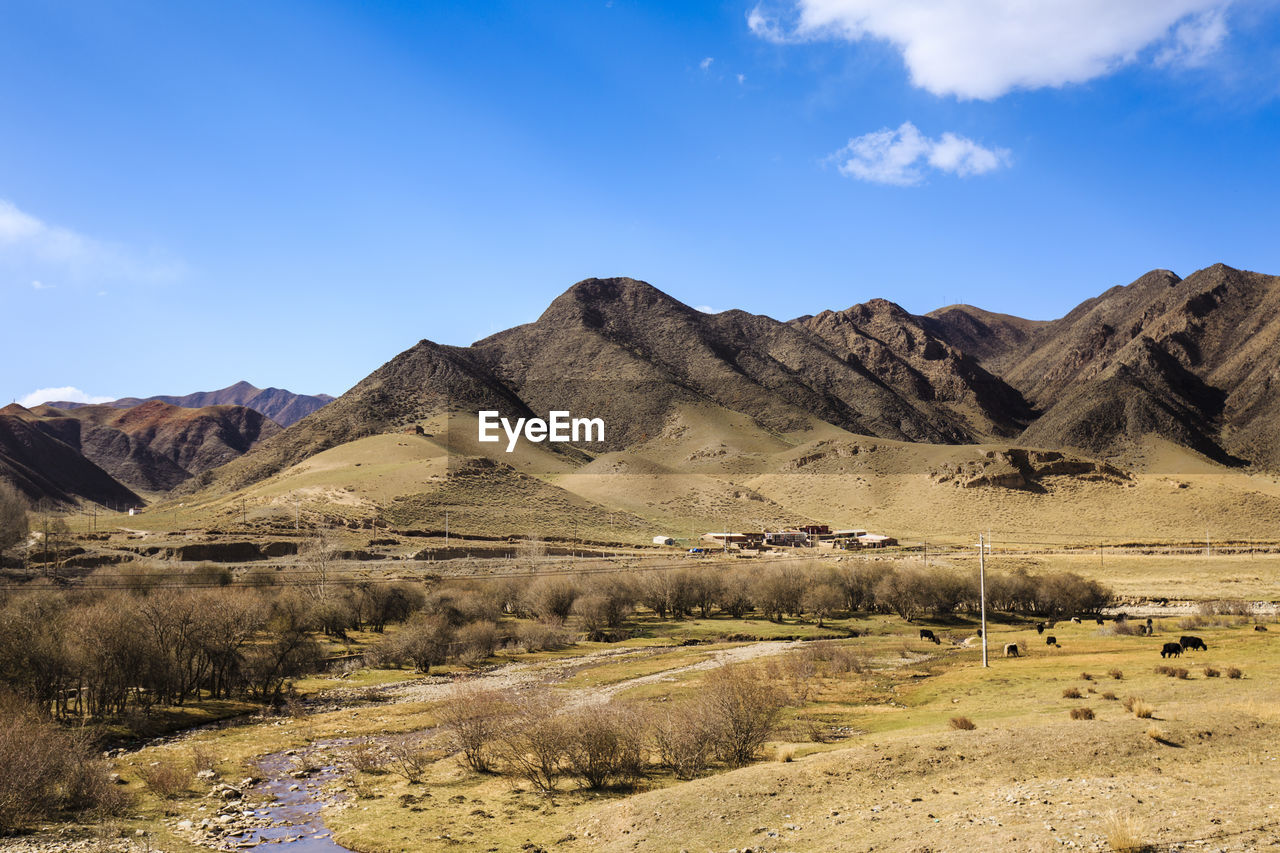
(193, 194)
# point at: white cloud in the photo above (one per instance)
(900, 157)
(40, 285)
(706, 63)
(705, 309)
(32, 245)
(986, 48)
(742, 78)
(66, 394)
(1195, 40)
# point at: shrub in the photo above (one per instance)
(542, 636)
(1082, 713)
(422, 641)
(1140, 709)
(167, 779)
(604, 746)
(1210, 672)
(1163, 670)
(836, 658)
(1109, 696)
(409, 758)
(473, 718)
(964, 724)
(1180, 673)
(364, 757)
(742, 712)
(476, 641)
(1233, 672)
(785, 754)
(682, 738)
(46, 770)
(551, 598)
(1086, 676)
(1156, 733)
(202, 760)
(1115, 673)
(1071, 693)
(534, 740)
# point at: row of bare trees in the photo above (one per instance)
(540, 737)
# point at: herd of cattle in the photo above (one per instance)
(1170, 650)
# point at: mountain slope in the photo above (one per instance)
(155, 446)
(45, 468)
(1190, 360)
(422, 381)
(899, 349)
(988, 337)
(623, 347)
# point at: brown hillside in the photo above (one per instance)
(986, 336)
(44, 468)
(900, 350)
(155, 446)
(1191, 360)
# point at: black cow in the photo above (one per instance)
(1011, 650)
(1099, 620)
(1039, 627)
(1171, 650)
(1189, 643)
(1051, 640)
(926, 634)
(1259, 627)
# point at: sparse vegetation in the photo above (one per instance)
(1123, 836)
(167, 779)
(1210, 672)
(1082, 713)
(1071, 693)
(964, 724)
(1234, 672)
(1115, 673)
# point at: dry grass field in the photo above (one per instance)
(865, 755)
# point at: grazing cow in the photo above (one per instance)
(1039, 627)
(1189, 643)
(1051, 640)
(926, 634)
(1259, 627)
(1099, 620)
(1011, 650)
(1171, 650)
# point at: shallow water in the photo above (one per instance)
(297, 823)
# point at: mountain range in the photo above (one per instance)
(283, 407)
(1185, 362)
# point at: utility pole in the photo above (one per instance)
(982, 593)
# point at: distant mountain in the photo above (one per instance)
(154, 446)
(43, 467)
(107, 455)
(283, 407)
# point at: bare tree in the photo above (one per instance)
(473, 718)
(13, 517)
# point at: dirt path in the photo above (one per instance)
(525, 675)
